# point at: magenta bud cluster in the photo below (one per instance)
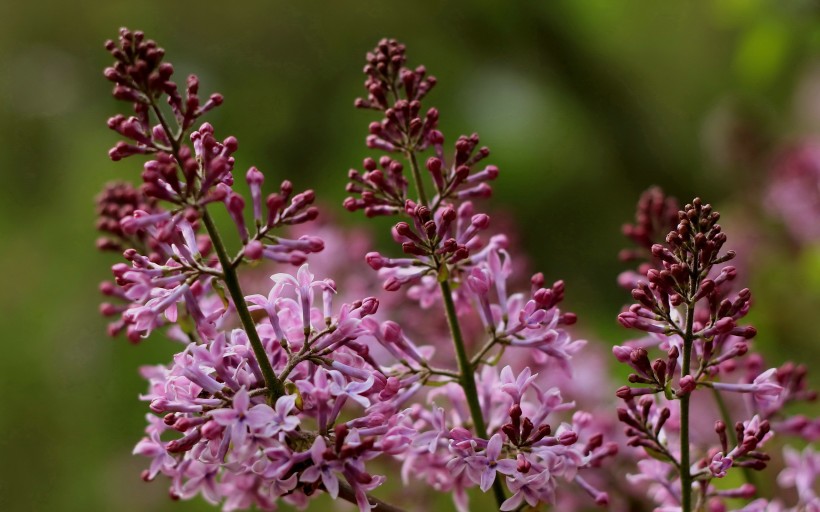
(688, 304)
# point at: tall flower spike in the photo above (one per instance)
(447, 260)
(685, 299)
(239, 408)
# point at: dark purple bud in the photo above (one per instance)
(568, 438)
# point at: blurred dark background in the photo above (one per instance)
(583, 103)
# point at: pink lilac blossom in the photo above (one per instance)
(686, 302)
(276, 395)
(489, 433)
(794, 190)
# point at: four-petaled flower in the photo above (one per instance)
(240, 416)
(323, 468)
(489, 462)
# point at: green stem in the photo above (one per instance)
(685, 473)
(467, 377)
(414, 167)
(464, 368)
(466, 374)
(476, 360)
(688, 340)
(274, 385)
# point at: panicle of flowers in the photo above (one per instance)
(274, 397)
(494, 430)
(687, 304)
(160, 224)
(397, 91)
(232, 446)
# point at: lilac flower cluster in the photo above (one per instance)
(793, 194)
(245, 415)
(691, 312)
(284, 391)
(494, 427)
(235, 445)
(279, 395)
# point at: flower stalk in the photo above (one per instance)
(228, 271)
(272, 383)
(685, 464)
(466, 376)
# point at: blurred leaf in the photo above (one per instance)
(762, 53)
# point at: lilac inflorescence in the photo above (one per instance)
(689, 306)
(159, 224)
(233, 446)
(396, 91)
(494, 427)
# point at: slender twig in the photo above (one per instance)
(274, 385)
(228, 276)
(688, 338)
(476, 359)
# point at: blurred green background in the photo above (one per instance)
(584, 104)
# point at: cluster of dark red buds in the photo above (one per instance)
(655, 216)
(117, 201)
(382, 188)
(692, 250)
(522, 432)
(644, 422)
(445, 235)
(397, 91)
(403, 128)
(433, 241)
(461, 179)
(141, 77)
(385, 72)
(658, 373)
